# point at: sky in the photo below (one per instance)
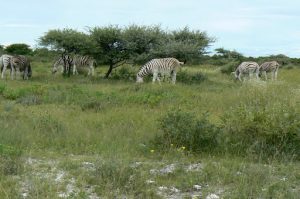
(251, 27)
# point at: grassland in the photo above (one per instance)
(86, 137)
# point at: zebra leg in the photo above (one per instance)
(250, 75)
(240, 77)
(3, 71)
(93, 70)
(276, 74)
(266, 76)
(174, 77)
(155, 75)
(12, 73)
(74, 69)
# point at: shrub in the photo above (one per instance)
(118, 178)
(124, 73)
(183, 129)
(93, 105)
(29, 100)
(10, 160)
(11, 94)
(2, 88)
(229, 67)
(267, 130)
(190, 78)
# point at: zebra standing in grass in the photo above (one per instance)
(76, 62)
(164, 66)
(270, 67)
(5, 63)
(20, 63)
(247, 68)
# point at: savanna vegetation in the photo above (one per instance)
(105, 136)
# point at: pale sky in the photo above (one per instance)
(252, 27)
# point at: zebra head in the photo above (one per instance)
(139, 79)
(57, 64)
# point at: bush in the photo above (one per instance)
(183, 129)
(118, 178)
(10, 160)
(124, 73)
(2, 88)
(29, 100)
(190, 78)
(93, 105)
(229, 67)
(266, 130)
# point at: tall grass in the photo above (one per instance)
(52, 117)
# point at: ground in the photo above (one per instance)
(86, 137)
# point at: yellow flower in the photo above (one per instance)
(183, 147)
(152, 151)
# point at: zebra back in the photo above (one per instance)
(160, 65)
(83, 60)
(269, 66)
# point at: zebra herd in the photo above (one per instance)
(252, 67)
(163, 67)
(16, 63)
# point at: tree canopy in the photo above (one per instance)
(18, 49)
(113, 45)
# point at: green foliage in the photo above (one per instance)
(183, 129)
(93, 105)
(68, 40)
(229, 67)
(124, 73)
(190, 78)
(10, 161)
(118, 178)
(29, 100)
(18, 49)
(228, 53)
(262, 129)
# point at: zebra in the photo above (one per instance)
(247, 68)
(76, 62)
(5, 63)
(268, 67)
(20, 63)
(164, 66)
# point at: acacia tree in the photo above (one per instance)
(110, 46)
(66, 42)
(184, 44)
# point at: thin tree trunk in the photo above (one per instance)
(109, 71)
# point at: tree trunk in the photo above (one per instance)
(109, 71)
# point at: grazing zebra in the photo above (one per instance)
(247, 68)
(76, 62)
(20, 63)
(4, 63)
(164, 66)
(270, 67)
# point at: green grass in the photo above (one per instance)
(81, 136)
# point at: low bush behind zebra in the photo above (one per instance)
(162, 66)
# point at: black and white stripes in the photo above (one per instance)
(76, 62)
(164, 66)
(17, 63)
(247, 68)
(20, 64)
(270, 67)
